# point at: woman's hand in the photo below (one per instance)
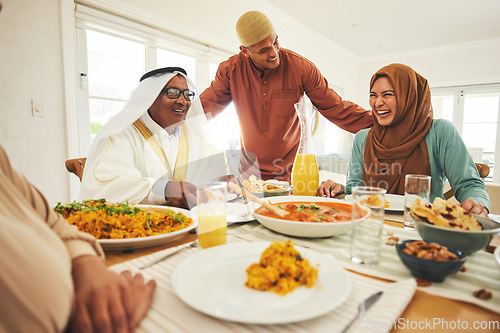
(107, 301)
(329, 189)
(473, 207)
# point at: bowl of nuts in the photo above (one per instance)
(429, 261)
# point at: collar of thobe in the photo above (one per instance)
(260, 74)
(157, 129)
(181, 163)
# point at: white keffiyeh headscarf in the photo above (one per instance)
(139, 102)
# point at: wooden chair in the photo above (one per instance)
(76, 166)
(484, 171)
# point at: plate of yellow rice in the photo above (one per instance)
(124, 226)
(213, 281)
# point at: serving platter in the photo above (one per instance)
(141, 242)
(212, 281)
(396, 202)
(237, 212)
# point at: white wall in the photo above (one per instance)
(213, 22)
(470, 64)
(31, 66)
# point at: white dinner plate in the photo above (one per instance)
(237, 212)
(212, 281)
(396, 202)
(140, 242)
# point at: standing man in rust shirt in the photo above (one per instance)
(265, 81)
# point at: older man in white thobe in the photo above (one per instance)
(156, 150)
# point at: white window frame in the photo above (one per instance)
(458, 112)
(76, 17)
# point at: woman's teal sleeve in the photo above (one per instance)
(355, 172)
(458, 165)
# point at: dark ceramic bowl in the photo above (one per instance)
(430, 270)
(467, 241)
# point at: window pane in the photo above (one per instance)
(101, 111)
(480, 135)
(480, 123)
(332, 137)
(114, 64)
(443, 107)
(229, 137)
(225, 129)
(481, 108)
(332, 134)
(172, 59)
(212, 68)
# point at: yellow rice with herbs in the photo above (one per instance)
(117, 221)
(281, 269)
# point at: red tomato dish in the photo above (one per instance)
(316, 212)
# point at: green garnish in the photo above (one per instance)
(178, 218)
(93, 205)
(314, 206)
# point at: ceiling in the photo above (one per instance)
(368, 28)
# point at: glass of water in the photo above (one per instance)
(416, 186)
(366, 237)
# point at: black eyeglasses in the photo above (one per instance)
(175, 93)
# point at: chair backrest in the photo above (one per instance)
(483, 169)
(76, 166)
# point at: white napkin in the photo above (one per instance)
(389, 307)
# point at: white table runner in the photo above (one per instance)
(169, 314)
(481, 268)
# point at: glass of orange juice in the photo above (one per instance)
(305, 175)
(212, 224)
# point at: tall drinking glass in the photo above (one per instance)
(416, 186)
(366, 237)
(212, 224)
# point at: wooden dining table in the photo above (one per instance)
(423, 307)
